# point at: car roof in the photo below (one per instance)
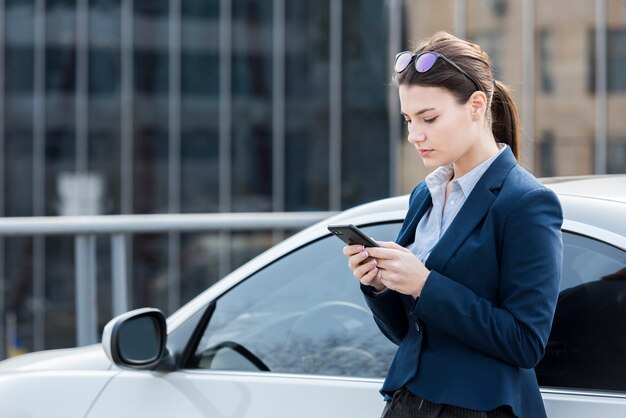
(607, 187)
(599, 201)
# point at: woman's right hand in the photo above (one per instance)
(363, 267)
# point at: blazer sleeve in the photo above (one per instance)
(517, 330)
(389, 313)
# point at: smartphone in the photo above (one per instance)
(352, 235)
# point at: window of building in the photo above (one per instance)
(200, 74)
(616, 60)
(546, 154)
(200, 172)
(19, 70)
(546, 60)
(151, 8)
(60, 69)
(200, 9)
(151, 72)
(616, 156)
(491, 43)
(104, 71)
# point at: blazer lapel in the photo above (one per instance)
(423, 201)
(473, 211)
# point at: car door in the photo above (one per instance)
(583, 372)
(293, 339)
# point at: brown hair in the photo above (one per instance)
(502, 113)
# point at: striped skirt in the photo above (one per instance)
(406, 405)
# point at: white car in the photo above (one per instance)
(289, 334)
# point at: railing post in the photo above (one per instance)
(86, 302)
(173, 272)
(119, 281)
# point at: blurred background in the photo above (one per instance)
(205, 106)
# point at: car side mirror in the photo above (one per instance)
(136, 339)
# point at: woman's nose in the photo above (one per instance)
(416, 136)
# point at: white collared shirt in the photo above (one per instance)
(440, 215)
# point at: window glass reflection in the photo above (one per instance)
(311, 319)
(141, 338)
(587, 345)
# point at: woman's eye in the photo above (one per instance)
(431, 120)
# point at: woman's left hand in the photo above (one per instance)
(399, 268)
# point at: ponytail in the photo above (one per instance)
(505, 120)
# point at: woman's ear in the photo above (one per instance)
(478, 104)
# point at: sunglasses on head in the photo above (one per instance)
(424, 61)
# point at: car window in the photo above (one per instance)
(304, 314)
(587, 345)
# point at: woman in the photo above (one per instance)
(469, 290)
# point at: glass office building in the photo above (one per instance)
(204, 106)
(179, 106)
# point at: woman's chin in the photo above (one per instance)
(430, 163)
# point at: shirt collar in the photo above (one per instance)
(443, 174)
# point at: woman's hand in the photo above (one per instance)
(363, 266)
(399, 269)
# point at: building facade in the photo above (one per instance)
(178, 106)
(564, 62)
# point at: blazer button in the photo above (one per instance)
(417, 326)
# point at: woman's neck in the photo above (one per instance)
(481, 152)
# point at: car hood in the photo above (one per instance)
(91, 357)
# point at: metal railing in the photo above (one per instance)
(85, 229)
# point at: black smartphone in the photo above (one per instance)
(352, 235)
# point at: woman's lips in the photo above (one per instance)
(425, 152)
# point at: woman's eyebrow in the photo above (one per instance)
(420, 112)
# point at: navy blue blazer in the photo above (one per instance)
(483, 318)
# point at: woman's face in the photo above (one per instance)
(441, 130)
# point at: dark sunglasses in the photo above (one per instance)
(424, 61)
